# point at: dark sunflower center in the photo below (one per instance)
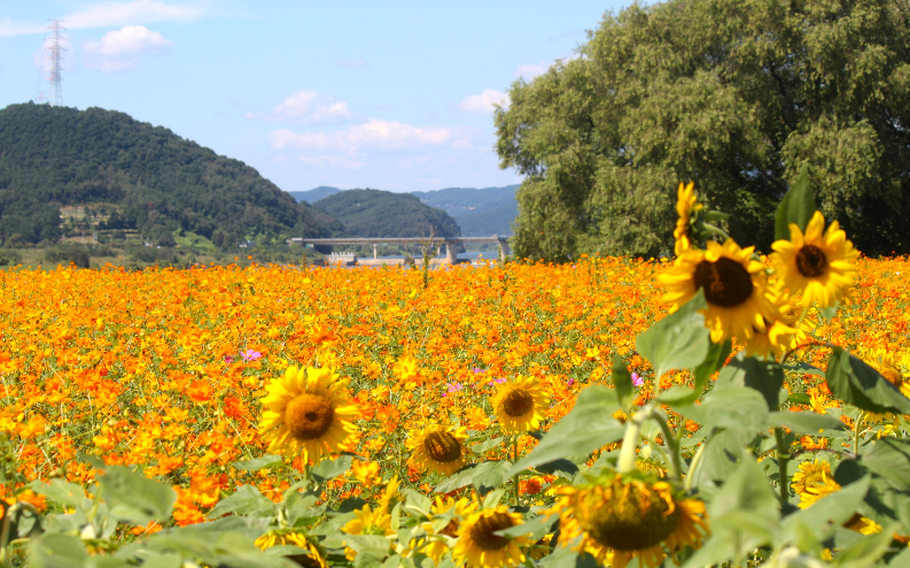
(726, 282)
(633, 522)
(442, 447)
(811, 261)
(309, 416)
(893, 376)
(450, 529)
(482, 531)
(517, 403)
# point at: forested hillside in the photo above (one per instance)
(376, 213)
(479, 212)
(134, 176)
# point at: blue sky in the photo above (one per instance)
(388, 95)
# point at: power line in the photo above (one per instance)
(55, 48)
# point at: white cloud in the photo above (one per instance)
(120, 50)
(528, 72)
(332, 162)
(110, 14)
(307, 107)
(485, 102)
(374, 133)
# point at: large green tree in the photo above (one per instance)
(735, 95)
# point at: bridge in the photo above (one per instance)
(451, 243)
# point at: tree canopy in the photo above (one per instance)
(735, 95)
(376, 213)
(138, 176)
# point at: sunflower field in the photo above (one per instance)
(715, 408)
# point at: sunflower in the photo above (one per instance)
(369, 522)
(779, 331)
(809, 473)
(734, 285)
(816, 483)
(307, 413)
(436, 448)
(686, 204)
(889, 366)
(479, 546)
(520, 404)
(627, 517)
(817, 264)
(315, 557)
(446, 516)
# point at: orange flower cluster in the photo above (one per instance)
(165, 369)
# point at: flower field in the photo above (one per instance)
(165, 371)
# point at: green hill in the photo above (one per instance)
(130, 175)
(376, 213)
(479, 212)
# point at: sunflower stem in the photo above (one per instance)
(856, 433)
(630, 440)
(672, 445)
(783, 458)
(515, 460)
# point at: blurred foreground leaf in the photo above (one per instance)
(679, 341)
(588, 426)
(856, 383)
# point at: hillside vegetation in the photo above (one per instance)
(376, 213)
(479, 212)
(129, 175)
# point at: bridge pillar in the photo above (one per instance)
(375, 254)
(451, 251)
(504, 250)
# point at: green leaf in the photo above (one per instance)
(800, 398)
(866, 551)
(622, 381)
(797, 207)
(561, 467)
(735, 409)
(805, 422)
(766, 377)
(890, 458)
(588, 426)
(679, 341)
(717, 356)
(885, 502)
(370, 547)
(267, 461)
(678, 396)
(482, 447)
(856, 383)
(62, 492)
(745, 510)
(329, 469)
(246, 500)
(134, 497)
(803, 367)
(484, 476)
(536, 527)
(54, 550)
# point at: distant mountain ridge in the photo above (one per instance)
(478, 212)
